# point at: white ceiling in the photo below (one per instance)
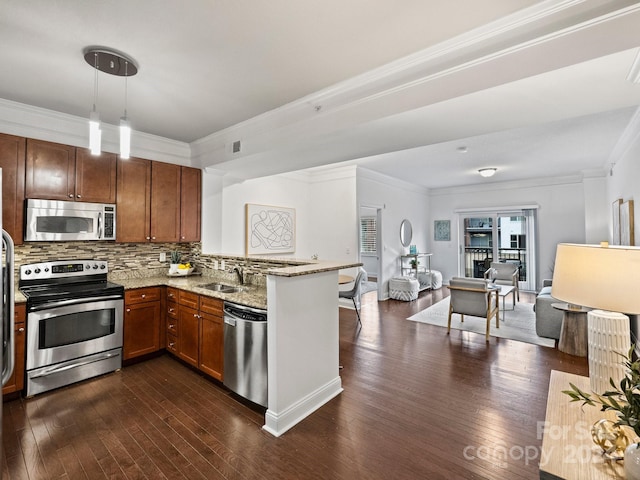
(212, 72)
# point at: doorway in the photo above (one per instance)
(498, 236)
(370, 246)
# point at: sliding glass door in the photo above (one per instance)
(498, 236)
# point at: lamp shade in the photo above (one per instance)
(598, 276)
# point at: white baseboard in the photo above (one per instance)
(278, 423)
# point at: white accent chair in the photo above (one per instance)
(472, 296)
(354, 293)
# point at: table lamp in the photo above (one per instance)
(606, 278)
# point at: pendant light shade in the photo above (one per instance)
(114, 63)
(125, 138)
(95, 134)
(487, 172)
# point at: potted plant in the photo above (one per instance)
(624, 399)
(175, 260)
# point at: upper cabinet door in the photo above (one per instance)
(50, 170)
(165, 202)
(95, 177)
(12, 151)
(190, 204)
(133, 205)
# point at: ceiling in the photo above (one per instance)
(305, 84)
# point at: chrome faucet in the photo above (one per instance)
(238, 271)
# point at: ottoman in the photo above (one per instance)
(431, 279)
(404, 288)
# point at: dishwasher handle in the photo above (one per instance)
(230, 321)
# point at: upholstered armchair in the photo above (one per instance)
(473, 296)
(506, 273)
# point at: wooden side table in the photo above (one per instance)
(568, 452)
(573, 335)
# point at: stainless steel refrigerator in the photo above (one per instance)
(6, 332)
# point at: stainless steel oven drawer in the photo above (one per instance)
(64, 373)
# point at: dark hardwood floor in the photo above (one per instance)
(417, 404)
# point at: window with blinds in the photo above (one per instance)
(368, 235)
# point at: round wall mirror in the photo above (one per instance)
(406, 232)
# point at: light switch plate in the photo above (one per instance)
(163, 257)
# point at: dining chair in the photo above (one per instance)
(354, 293)
(475, 297)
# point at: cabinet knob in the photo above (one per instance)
(148, 238)
(171, 344)
(21, 329)
(171, 310)
(143, 295)
(171, 325)
(71, 195)
(195, 315)
(153, 238)
(79, 196)
(170, 295)
(128, 310)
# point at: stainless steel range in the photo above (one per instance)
(74, 322)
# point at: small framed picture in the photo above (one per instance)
(442, 230)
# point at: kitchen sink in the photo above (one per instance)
(221, 287)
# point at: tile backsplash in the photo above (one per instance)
(143, 259)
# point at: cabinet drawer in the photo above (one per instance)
(172, 294)
(172, 326)
(212, 306)
(188, 299)
(138, 295)
(172, 310)
(172, 343)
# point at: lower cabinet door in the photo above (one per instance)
(211, 344)
(16, 381)
(189, 323)
(141, 329)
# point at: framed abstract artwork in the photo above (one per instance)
(442, 230)
(269, 229)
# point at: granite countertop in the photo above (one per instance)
(250, 295)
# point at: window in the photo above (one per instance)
(518, 241)
(368, 235)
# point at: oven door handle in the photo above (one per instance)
(54, 370)
(73, 301)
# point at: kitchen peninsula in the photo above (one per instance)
(302, 332)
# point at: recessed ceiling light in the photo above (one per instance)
(487, 172)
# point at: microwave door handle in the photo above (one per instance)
(99, 224)
(8, 350)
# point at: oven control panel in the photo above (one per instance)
(62, 269)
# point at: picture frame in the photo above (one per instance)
(269, 230)
(627, 236)
(615, 213)
(442, 230)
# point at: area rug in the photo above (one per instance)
(518, 324)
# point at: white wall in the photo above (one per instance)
(561, 216)
(399, 201)
(325, 205)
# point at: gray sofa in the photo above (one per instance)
(548, 319)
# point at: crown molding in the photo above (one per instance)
(391, 181)
(42, 124)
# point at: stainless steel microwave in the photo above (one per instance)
(51, 220)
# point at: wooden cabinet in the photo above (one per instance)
(16, 382)
(142, 318)
(133, 200)
(12, 154)
(211, 337)
(190, 204)
(194, 328)
(61, 172)
(165, 202)
(158, 202)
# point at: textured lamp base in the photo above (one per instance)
(609, 340)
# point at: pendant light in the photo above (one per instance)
(125, 126)
(95, 134)
(115, 63)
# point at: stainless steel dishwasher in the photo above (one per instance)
(245, 352)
